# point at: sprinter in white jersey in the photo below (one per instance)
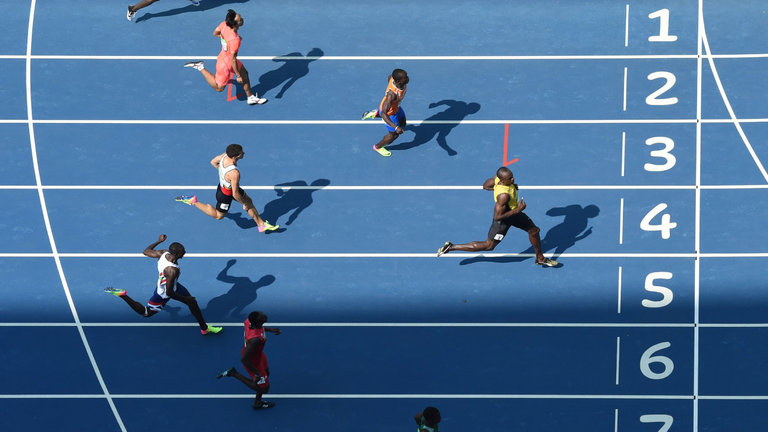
(228, 189)
(167, 286)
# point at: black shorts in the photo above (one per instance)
(223, 200)
(499, 228)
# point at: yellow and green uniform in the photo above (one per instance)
(511, 190)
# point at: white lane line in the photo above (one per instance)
(724, 96)
(621, 221)
(47, 221)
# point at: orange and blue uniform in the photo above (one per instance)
(395, 112)
(230, 43)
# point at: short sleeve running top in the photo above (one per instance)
(391, 87)
(230, 40)
(511, 190)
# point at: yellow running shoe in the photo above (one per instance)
(382, 151)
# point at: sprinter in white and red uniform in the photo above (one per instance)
(228, 189)
(167, 286)
(253, 358)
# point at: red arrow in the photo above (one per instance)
(504, 161)
(230, 98)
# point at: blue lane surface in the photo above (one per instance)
(460, 216)
(399, 360)
(284, 154)
(522, 90)
(393, 360)
(498, 28)
(381, 290)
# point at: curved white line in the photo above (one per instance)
(727, 103)
(46, 219)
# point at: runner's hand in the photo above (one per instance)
(162, 238)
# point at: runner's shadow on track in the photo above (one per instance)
(240, 296)
(204, 6)
(291, 71)
(425, 132)
(559, 238)
(292, 200)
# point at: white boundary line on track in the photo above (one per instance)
(357, 396)
(690, 255)
(394, 58)
(374, 123)
(381, 396)
(47, 221)
(381, 187)
(697, 221)
(370, 123)
(369, 324)
(401, 324)
(736, 122)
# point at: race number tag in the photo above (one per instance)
(223, 44)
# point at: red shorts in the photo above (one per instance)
(260, 364)
(224, 71)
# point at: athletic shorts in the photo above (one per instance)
(260, 364)
(499, 228)
(156, 303)
(224, 71)
(223, 200)
(397, 118)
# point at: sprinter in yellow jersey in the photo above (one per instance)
(390, 110)
(508, 212)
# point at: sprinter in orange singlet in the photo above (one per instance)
(227, 63)
(394, 116)
(508, 212)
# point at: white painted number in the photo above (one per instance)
(653, 98)
(664, 153)
(666, 225)
(666, 293)
(663, 36)
(658, 418)
(648, 358)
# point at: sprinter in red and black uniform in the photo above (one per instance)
(253, 358)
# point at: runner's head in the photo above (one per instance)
(235, 150)
(431, 416)
(505, 176)
(257, 319)
(234, 20)
(177, 250)
(400, 77)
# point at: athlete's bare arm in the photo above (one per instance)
(215, 161)
(274, 330)
(489, 184)
(499, 212)
(234, 178)
(150, 250)
(386, 104)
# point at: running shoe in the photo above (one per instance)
(547, 263)
(268, 227)
(186, 199)
(264, 404)
(195, 2)
(196, 65)
(255, 100)
(382, 151)
(444, 248)
(131, 14)
(225, 373)
(211, 330)
(117, 292)
(370, 114)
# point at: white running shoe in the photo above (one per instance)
(196, 65)
(255, 100)
(131, 14)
